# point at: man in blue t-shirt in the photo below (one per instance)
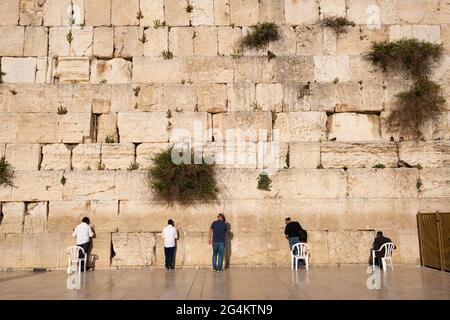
(217, 239)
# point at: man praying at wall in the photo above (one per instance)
(217, 239)
(169, 234)
(83, 232)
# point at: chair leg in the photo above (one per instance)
(85, 262)
(392, 265)
(292, 263)
(373, 261)
(307, 263)
(383, 263)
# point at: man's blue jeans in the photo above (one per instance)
(217, 258)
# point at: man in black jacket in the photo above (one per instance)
(293, 232)
(377, 243)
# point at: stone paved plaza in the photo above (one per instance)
(345, 282)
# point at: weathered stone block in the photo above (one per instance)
(253, 126)
(89, 185)
(45, 252)
(241, 96)
(341, 250)
(304, 155)
(124, 12)
(211, 98)
(332, 8)
(157, 41)
(31, 127)
(103, 215)
(23, 156)
(425, 154)
(31, 13)
(72, 69)
(435, 182)
(35, 220)
(64, 216)
(301, 126)
(107, 127)
(309, 39)
(359, 97)
(222, 12)
(143, 127)
(197, 251)
(117, 155)
(287, 44)
(156, 69)
(9, 12)
(228, 40)
(271, 11)
(13, 217)
(398, 32)
(36, 41)
(269, 96)
(175, 13)
(293, 69)
(86, 157)
(350, 127)
(152, 10)
(301, 11)
(58, 44)
(300, 96)
(74, 127)
(46, 186)
(103, 42)
(55, 157)
(133, 249)
(205, 41)
(428, 33)
(360, 11)
(181, 97)
(181, 41)
(82, 42)
(189, 126)
(146, 151)
(133, 185)
(19, 70)
(209, 69)
(332, 68)
(244, 12)
(127, 43)
(57, 12)
(202, 13)
(382, 183)
(98, 12)
(151, 98)
(113, 71)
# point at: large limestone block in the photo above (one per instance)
(127, 43)
(23, 156)
(332, 8)
(112, 71)
(222, 12)
(309, 39)
(58, 44)
(271, 11)
(346, 246)
(175, 13)
(363, 70)
(287, 44)
(382, 183)
(350, 127)
(72, 69)
(269, 96)
(11, 246)
(103, 215)
(133, 185)
(428, 33)
(151, 98)
(9, 124)
(307, 183)
(143, 127)
(359, 40)
(179, 97)
(301, 96)
(12, 40)
(228, 39)
(74, 127)
(82, 42)
(415, 11)
(244, 12)
(241, 96)
(46, 249)
(408, 246)
(239, 154)
(231, 186)
(152, 10)
(36, 217)
(46, 186)
(205, 41)
(90, 185)
(359, 97)
(304, 155)
(98, 12)
(202, 13)
(146, 151)
(86, 156)
(103, 46)
(189, 126)
(256, 69)
(426, 154)
(362, 11)
(299, 68)
(301, 126)
(332, 68)
(436, 182)
(18, 70)
(301, 11)
(100, 255)
(9, 12)
(107, 127)
(117, 155)
(124, 12)
(212, 98)
(13, 217)
(57, 12)
(357, 155)
(197, 251)
(31, 12)
(246, 126)
(35, 44)
(209, 69)
(64, 216)
(158, 41)
(156, 69)
(133, 249)
(56, 157)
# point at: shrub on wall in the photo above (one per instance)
(6, 173)
(183, 183)
(260, 35)
(338, 24)
(264, 182)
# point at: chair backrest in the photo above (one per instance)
(74, 252)
(300, 250)
(388, 248)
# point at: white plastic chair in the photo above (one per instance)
(299, 252)
(73, 255)
(388, 249)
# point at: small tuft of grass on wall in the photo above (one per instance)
(264, 182)
(6, 173)
(379, 166)
(260, 35)
(109, 139)
(189, 8)
(419, 184)
(63, 180)
(271, 55)
(69, 37)
(133, 166)
(139, 15)
(338, 24)
(166, 54)
(182, 183)
(158, 24)
(62, 110)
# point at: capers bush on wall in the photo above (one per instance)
(6, 173)
(260, 35)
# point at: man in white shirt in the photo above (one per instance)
(83, 232)
(169, 234)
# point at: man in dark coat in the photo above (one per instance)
(377, 243)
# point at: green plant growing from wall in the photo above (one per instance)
(271, 55)
(166, 54)
(256, 107)
(264, 182)
(304, 91)
(288, 158)
(424, 101)
(13, 91)
(379, 166)
(182, 183)
(69, 37)
(143, 39)
(158, 24)
(136, 91)
(260, 35)
(63, 180)
(189, 8)
(103, 81)
(62, 110)
(101, 166)
(133, 166)
(338, 24)
(419, 166)
(419, 184)
(109, 139)
(6, 173)
(2, 74)
(139, 15)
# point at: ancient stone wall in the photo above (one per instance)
(101, 61)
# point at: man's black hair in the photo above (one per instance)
(170, 221)
(86, 220)
(379, 234)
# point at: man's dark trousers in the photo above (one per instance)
(169, 253)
